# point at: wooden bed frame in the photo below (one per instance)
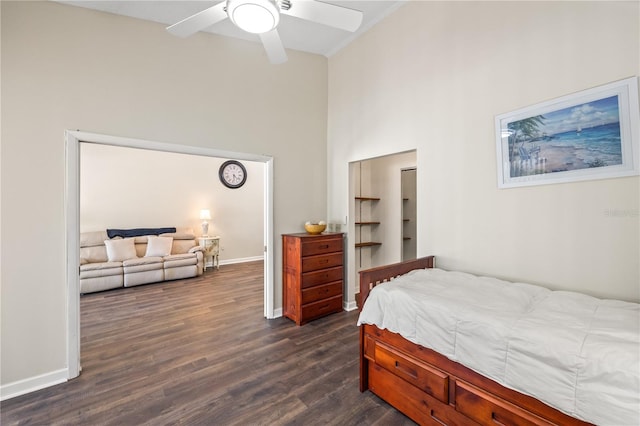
(428, 387)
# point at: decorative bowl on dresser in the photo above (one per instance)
(312, 275)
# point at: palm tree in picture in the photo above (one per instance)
(522, 131)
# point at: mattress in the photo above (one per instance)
(576, 353)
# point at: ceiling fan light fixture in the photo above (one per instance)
(254, 16)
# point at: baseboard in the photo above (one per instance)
(349, 306)
(241, 260)
(277, 313)
(21, 387)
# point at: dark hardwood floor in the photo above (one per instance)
(200, 352)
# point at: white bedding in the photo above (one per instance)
(576, 353)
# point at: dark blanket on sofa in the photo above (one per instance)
(137, 232)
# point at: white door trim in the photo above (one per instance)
(72, 219)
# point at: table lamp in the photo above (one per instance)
(205, 215)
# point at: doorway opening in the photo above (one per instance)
(72, 198)
(376, 209)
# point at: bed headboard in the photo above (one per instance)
(369, 278)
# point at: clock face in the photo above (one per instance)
(232, 174)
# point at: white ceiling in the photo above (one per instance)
(295, 33)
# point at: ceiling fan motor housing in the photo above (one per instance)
(255, 16)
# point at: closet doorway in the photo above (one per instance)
(377, 223)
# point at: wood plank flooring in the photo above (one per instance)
(200, 352)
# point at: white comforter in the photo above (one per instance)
(576, 353)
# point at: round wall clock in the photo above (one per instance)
(232, 174)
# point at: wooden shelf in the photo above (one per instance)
(364, 223)
(367, 244)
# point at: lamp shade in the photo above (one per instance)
(205, 214)
(254, 16)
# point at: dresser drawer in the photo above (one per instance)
(310, 248)
(321, 308)
(322, 276)
(320, 292)
(489, 409)
(429, 379)
(321, 261)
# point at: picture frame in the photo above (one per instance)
(592, 134)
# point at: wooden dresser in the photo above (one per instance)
(312, 270)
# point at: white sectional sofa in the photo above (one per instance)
(107, 263)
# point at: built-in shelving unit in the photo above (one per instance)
(362, 221)
(405, 220)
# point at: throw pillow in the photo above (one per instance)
(120, 249)
(158, 246)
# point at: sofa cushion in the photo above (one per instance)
(120, 249)
(128, 270)
(182, 246)
(101, 269)
(179, 235)
(142, 264)
(92, 239)
(142, 261)
(100, 265)
(176, 260)
(158, 246)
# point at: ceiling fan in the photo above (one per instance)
(261, 17)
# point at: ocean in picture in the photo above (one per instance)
(579, 137)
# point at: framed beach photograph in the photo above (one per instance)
(592, 134)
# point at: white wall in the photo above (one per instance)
(65, 67)
(432, 77)
(133, 188)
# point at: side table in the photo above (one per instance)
(211, 246)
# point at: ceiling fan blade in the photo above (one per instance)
(326, 14)
(199, 21)
(273, 46)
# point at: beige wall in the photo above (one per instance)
(133, 188)
(71, 68)
(432, 77)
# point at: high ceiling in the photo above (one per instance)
(295, 33)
